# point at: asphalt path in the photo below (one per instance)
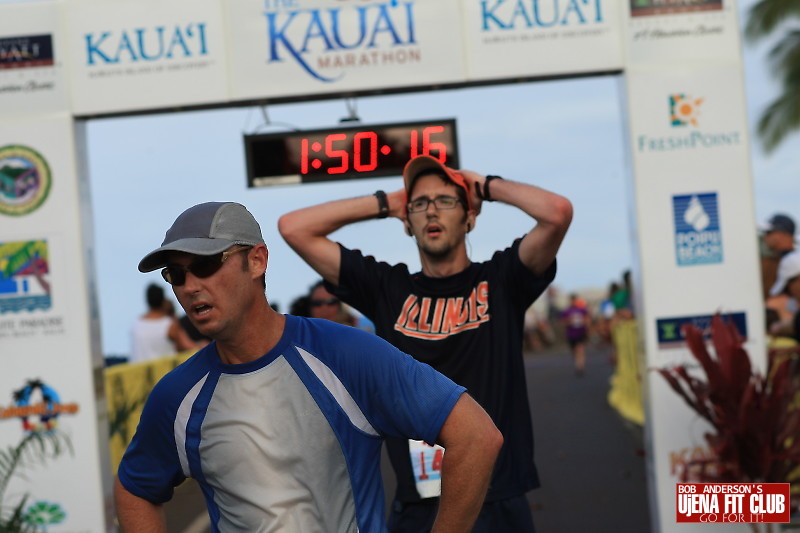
(590, 461)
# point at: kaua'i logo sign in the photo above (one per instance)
(24, 180)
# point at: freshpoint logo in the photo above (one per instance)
(698, 239)
(685, 111)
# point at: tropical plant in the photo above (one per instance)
(782, 116)
(35, 448)
(755, 418)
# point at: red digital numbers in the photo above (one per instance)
(372, 151)
(433, 149)
(341, 153)
(379, 150)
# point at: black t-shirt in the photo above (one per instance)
(469, 327)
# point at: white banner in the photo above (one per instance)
(289, 48)
(33, 62)
(697, 243)
(682, 32)
(145, 54)
(513, 39)
(50, 351)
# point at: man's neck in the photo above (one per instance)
(435, 267)
(259, 336)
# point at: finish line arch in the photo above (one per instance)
(67, 62)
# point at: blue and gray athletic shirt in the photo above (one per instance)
(291, 441)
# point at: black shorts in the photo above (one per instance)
(511, 514)
(574, 341)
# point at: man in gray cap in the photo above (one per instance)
(281, 418)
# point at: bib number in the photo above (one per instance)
(426, 461)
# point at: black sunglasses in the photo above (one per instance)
(202, 268)
(328, 301)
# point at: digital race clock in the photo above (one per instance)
(347, 152)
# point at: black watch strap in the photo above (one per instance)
(383, 204)
(487, 197)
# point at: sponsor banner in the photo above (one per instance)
(32, 59)
(282, 48)
(698, 237)
(49, 354)
(540, 37)
(646, 8)
(145, 54)
(24, 179)
(721, 503)
(670, 334)
(686, 31)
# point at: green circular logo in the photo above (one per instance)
(24, 180)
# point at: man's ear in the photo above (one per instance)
(260, 258)
(472, 217)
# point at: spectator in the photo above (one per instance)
(150, 334)
(777, 239)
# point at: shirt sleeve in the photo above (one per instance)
(362, 280)
(525, 286)
(150, 468)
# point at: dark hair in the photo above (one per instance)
(155, 296)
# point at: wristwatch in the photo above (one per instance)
(383, 204)
(487, 197)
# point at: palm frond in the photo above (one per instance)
(766, 15)
(33, 450)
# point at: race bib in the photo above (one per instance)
(426, 461)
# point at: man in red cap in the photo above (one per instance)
(464, 318)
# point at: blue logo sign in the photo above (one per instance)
(146, 44)
(698, 239)
(519, 14)
(670, 332)
(315, 39)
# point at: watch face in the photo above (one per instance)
(346, 153)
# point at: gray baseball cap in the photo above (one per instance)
(206, 229)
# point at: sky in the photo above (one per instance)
(566, 136)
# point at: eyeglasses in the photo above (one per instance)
(440, 202)
(320, 303)
(202, 268)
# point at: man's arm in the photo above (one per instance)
(552, 212)
(306, 230)
(136, 514)
(471, 443)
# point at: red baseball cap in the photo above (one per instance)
(422, 165)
